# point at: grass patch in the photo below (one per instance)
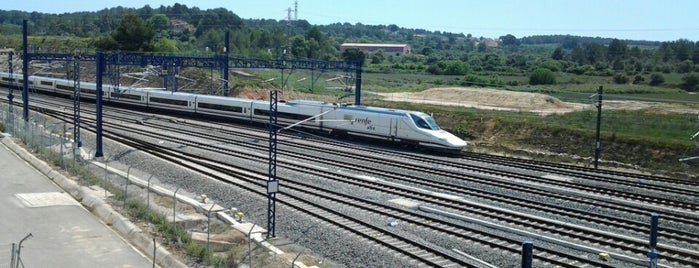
(644, 138)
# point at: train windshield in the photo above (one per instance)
(424, 121)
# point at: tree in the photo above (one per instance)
(165, 45)
(315, 34)
(378, 57)
(617, 49)
(620, 78)
(509, 40)
(353, 54)
(134, 34)
(685, 66)
(393, 28)
(690, 82)
(542, 77)
(557, 54)
(595, 52)
(160, 22)
(482, 47)
(682, 49)
(220, 19)
(299, 47)
(578, 55)
(106, 43)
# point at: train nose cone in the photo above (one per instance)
(455, 142)
(451, 141)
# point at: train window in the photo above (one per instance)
(282, 115)
(47, 83)
(7, 79)
(85, 90)
(125, 96)
(431, 122)
(64, 87)
(420, 122)
(169, 101)
(212, 106)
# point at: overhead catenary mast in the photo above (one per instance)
(296, 10)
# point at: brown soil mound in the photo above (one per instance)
(495, 99)
(492, 99)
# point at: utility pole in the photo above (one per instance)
(296, 10)
(272, 182)
(599, 125)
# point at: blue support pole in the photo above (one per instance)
(652, 253)
(164, 73)
(527, 254)
(225, 65)
(358, 84)
(272, 182)
(98, 104)
(76, 101)
(10, 98)
(25, 73)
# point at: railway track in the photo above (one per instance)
(542, 225)
(312, 196)
(453, 172)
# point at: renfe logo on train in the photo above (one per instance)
(364, 121)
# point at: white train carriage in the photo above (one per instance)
(224, 106)
(169, 100)
(6, 80)
(403, 126)
(408, 127)
(126, 96)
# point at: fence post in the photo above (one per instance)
(19, 249)
(250, 245)
(208, 228)
(104, 182)
(174, 213)
(63, 156)
(13, 255)
(155, 246)
(527, 248)
(148, 196)
(148, 192)
(126, 190)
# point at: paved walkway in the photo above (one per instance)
(64, 233)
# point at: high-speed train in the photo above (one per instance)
(407, 127)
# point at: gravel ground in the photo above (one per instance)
(338, 249)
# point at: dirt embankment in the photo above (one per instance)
(495, 99)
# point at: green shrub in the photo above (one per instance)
(620, 78)
(656, 79)
(542, 77)
(690, 82)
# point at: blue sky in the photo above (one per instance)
(654, 20)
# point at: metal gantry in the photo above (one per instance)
(170, 64)
(76, 101)
(25, 74)
(272, 182)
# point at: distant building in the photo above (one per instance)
(178, 26)
(388, 48)
(490, 43)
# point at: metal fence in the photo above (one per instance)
(51, 140)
